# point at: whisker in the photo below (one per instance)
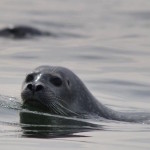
(59, 110)
(67, 105)
(57, 107)
(66, 108)
(53, 108)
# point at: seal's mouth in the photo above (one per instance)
(34, 103)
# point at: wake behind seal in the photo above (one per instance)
(59, 91)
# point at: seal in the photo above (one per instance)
(22, 32)
(59, 91)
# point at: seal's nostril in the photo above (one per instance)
(30, 87)
(35, 88)
(39, 87)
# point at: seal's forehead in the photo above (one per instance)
(44, 69)
(55, 71)
(51, 69)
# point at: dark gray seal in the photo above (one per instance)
(22, 32)
(59, 91)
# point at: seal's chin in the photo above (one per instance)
(34, 103)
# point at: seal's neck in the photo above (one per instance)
(84, 102)
(108, 113)
(92, 106)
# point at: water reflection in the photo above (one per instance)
(42, 125)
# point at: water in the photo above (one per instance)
(106, 43)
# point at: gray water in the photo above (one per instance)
(106, 43)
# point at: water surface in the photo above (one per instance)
(106, 43)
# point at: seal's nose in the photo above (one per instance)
(35, 88)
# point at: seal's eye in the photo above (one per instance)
(29, 78)
(56, 81)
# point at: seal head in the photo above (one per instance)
(59, 91)
(51, 88)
